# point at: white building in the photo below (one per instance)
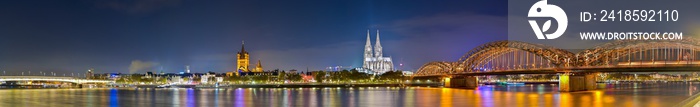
(374, 60)
(177, 80)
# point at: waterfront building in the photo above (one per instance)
(205, 78)
(258, 67)
(407, 73)
(243, 59)
(374, 61)
(293, 71)
(231, 74)
(219, 79)
(90, 73)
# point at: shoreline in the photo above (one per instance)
(290, 85)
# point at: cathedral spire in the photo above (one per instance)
(368, 43)
(368, 47)
(378, 47)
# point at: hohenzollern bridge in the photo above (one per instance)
(576, 70)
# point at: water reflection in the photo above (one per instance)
(634, 94)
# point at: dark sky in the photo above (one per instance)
(149, 35)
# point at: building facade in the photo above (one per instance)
(258, 67)
(243, 60)
(374, 61)
(90, 73)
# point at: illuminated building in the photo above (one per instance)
(243, 59)
(187, 69)
(89, 73)
(231, 73)
(258, 67)
(376, 62)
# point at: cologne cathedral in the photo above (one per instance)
(374, 61)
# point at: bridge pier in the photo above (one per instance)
(580, 82)
(470, 82)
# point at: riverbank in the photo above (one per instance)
(289, 85)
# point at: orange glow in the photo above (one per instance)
(564, 82)
(565, 100)
(447, 82)
(446, 97)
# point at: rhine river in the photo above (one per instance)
(637, 95)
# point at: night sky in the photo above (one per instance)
(135, 36)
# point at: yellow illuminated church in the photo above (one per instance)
(243, 61)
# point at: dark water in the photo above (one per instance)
(637, 95)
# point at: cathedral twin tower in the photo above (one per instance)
(375, 61)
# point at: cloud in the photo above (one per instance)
(138, 65)
(137, 6)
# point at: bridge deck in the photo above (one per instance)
(645, 68)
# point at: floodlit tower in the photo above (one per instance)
(377, 47)
(368, 52)
(258, 67)
(243, 59)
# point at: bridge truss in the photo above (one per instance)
(515, 56)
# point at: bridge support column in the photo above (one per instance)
(448, 82)
(590, 79)
(571, 83)
(564, 83)
(470, 82)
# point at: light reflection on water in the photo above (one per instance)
(657, 94)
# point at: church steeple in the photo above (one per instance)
(258, 67)
(243, 47)
(243, 59)
(368, 47)
(378, 47)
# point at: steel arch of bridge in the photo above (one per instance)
(605, 53)
(479, 55)
(436, 68)
(597, 56)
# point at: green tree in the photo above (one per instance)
(359, 76)
(281, 76)
(163, 80)
(121, 80)
(136, 78)
(147, 80)
(259, 78)
(294, 77)
(234, 79)
(319, 76)
(185, 78)
(392, 75)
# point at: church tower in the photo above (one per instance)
(377, 47)
(368, 52)
(374, 61)
(258, 67)
(243, 59)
